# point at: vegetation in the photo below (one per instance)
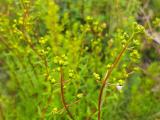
(79, 60)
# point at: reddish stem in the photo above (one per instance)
(62, 94)
(106, 78)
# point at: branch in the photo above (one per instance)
(108, 75)
(62, 94)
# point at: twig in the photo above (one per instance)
(62, 94)
(108, 75)
(69, 105)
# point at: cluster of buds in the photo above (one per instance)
(134, 55)
(43, 40)
(156, 22)
(138, 28)
(79, 95)
(94, 26)
(55, 110)
(89, 19)
(124, 37)
(52, 80)
(43, 52)
(136, 42)
(97, 76)
(61, 61)
(71, 74)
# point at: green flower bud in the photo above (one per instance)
(55, 110)
(138, 28)
(134, 55)
(80, 95)
(97, 77)
(52, 80)
(156, 22)
(109, 66)
(136, 42)
(124, 42)
(89, 19)
(121, 82)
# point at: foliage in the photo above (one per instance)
(56, 54)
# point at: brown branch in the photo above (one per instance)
(62, 94)
(108, 75)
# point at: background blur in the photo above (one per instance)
(85, 36)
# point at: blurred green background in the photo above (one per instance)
(84, 36)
